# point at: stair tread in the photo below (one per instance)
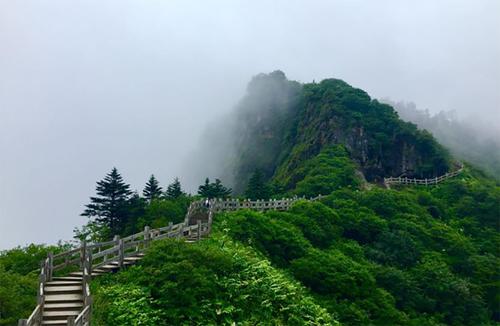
(70, 288)
(67, 278)
(61, 313)
(55, 322)
(133, 258)
(81, 273)
(110, 266)
(64, 283)
(63, 305)
(64, 297)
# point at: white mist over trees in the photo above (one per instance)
(225, 150)
(469, 139)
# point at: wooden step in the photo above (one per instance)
(79, 274)
(56, 322)
(99, 271)
(63, 306)
(63, 297)
(60, 314)
(63, 289)
(110, 266)
(67, 278)
(64, 283)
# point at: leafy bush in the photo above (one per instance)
(213, 282)
(278, 239)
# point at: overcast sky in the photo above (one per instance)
(88, 85)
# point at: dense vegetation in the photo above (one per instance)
(414, 256)
(215, 282)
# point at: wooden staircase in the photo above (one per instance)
(64, 297)
(66, 300)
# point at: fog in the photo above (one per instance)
(88, 85)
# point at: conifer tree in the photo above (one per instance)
(152, 189)
(174, 190)
(110, 205)
(219, 190)
(214, 190)
(257, 187)
(204, 190)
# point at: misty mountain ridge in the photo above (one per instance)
(475, 143)
(281, 123)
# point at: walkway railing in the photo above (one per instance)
(426, 182)
(90, 256)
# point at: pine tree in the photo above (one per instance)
(220, 191)
(174, 190)
(204, 190)
(109, 207)
(152, 189)
(257, 187)
(214, 190)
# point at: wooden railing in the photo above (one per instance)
(426, 182)
(219, 205)
(89, 256)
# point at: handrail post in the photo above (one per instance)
(83, 253)
(147, 236)
(198, 235)
(51, 266)
(121, 252)
(210, 217)
(22, 322)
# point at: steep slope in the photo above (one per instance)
(281, 123)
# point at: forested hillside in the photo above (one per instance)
(361, 255)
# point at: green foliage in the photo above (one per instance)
(124, 305)
(257, 188)
(332, 272)
(319, 223)
(110, 204)
(330, 170)
(213, 190)
(174, 190)
(388, 257)
(222, 283)
(279, 240)
(17, 296)
(152, 190)
(162, 211)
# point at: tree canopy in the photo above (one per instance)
(152, 190)
(110, 205)
(214, 189)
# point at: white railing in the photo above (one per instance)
(426, 182)
(89, 256)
